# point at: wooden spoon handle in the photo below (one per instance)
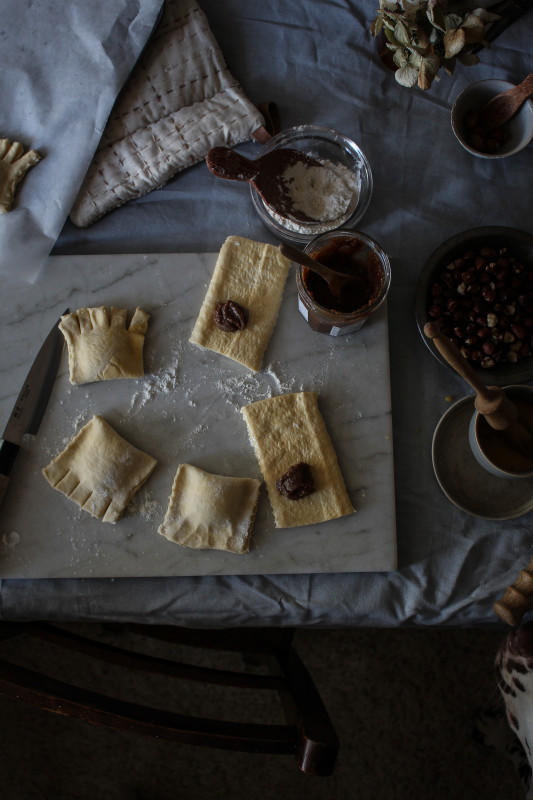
(518, 597)
(227, 163)
(504, 106)
(526, 86)
(305, 260)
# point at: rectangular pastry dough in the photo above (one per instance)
(211, 511)
(284, 431)
(253, 275)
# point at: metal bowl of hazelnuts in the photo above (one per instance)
(478, 287)
(500, 142)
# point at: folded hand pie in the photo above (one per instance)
(211, 511)
(14, 164)
(288, 431)
(100, 347)
(251, 275)
(99, 470)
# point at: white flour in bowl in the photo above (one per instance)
(326, 194)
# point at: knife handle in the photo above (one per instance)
(8, 453)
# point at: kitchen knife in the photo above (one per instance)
(31, 403)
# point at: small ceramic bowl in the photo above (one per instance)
(326, 145)
(519, 130)
(501, 463)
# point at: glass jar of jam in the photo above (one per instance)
(354, 254)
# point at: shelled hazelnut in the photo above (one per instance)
(483, 139)
(483, 302)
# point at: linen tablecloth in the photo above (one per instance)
(319, 63)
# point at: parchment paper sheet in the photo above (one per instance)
(62, 65)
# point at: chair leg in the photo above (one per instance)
(318, 743)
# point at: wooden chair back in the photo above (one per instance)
(307, 733)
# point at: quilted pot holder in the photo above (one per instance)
(180, 101)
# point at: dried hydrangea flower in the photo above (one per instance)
(422, 37)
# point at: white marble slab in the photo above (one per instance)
(187, 410)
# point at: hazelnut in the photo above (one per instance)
(483, 300)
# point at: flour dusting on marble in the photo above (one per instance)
(10, 540)
(241, 390)
(145, 505)
(163, 381)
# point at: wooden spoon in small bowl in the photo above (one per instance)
(264, 173)
(337, 281)
(504, 106)
(491, 401)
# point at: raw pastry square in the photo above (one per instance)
(101, 347)
(211, 511)
(99, 470)
(284, 431)
(253, 275)
(14, 164)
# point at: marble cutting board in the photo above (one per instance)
(186, 409)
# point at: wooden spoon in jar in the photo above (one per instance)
(264, 173)
(337, 281)
(504, 106)
(491, 401)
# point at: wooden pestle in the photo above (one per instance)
(518, 597)
(491, 401)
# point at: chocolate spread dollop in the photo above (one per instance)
(297, 482)
(230, 316)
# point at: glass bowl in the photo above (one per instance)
(327, 145)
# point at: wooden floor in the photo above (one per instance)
(403, 704)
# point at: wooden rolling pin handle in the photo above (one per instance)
(518, 598)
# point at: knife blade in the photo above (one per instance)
(31, 402)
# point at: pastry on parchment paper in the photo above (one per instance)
(251, 275)
(290, 439)
(99, 470)
(101, 347)
(14, 164)
(211, 511)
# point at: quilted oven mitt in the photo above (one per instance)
(180, 101)
(101, 347)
